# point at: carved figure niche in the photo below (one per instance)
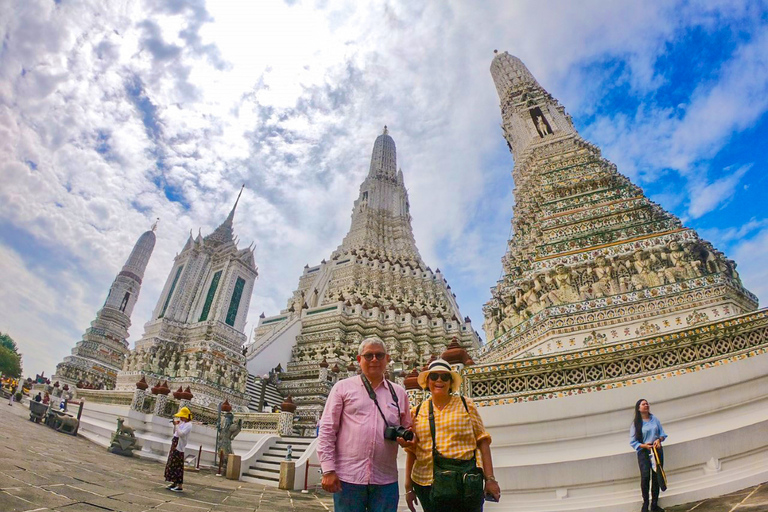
(540, 122)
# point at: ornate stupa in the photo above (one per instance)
(374, 283)
(97, 358)
(196, 332)
(592, 260)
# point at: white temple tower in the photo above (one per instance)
(374, 283)
(97, 358)
(196, 332)
(592, 260)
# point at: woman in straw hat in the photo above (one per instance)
(174, 468)
(458, 436)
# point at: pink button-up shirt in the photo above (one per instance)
(351, 435)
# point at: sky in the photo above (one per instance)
(115, 113)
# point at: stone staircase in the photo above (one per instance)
(253, 390)
(266, 469)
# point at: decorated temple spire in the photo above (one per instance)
(376, 280)
(383, 156)
(381, 214)
(586, 239)
(97, 358)
(530, 114)
(225, 232)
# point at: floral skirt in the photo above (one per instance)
(174, 468)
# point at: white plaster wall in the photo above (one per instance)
(278, 351)
(154, 433)
(573, 453)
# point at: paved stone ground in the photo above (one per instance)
(44, 470)
(41, 469)
(753, 499)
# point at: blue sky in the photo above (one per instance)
(114, 114)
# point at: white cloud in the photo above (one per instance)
(113, 101)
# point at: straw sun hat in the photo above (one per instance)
(440, 366)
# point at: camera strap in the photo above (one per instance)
(372, 395)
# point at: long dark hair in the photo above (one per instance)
(638, 421)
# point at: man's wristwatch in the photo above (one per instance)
(329, 472)
(490, 478)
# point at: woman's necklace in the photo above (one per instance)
(441, 407)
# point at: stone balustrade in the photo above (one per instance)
(166, 407)
(621, 364)
(106, 397)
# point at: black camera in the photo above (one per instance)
(392, 433)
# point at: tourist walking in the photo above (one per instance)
(364, 419)
(645, 434)
(450, 434)
(12, 397)
(174, 468)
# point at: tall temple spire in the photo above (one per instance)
(530, 114)
(586, 239)
(381, 215)
(195, 335)
(97, 358)
(374, 283)
(225, 232)
(383, 156)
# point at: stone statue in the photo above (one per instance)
(678, 269)
(146, 360)
(128, 363)
(644, 276)
(542, 126)
(182, 371)
(173, 366)
(157, 362)
(565, 291)
(192, 368)
(531, 298)
(123, 440)
(227, 430)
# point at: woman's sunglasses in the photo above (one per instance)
(445, 377)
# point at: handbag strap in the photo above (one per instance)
(432, 428)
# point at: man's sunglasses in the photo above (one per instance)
(445, 377)
(378, 355)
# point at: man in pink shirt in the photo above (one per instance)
(359, 464)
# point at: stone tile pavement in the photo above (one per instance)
(753, 499)
(44, 470)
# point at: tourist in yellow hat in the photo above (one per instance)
(174, 468)
(444, 471)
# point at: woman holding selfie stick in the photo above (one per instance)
(450, 433)
(174, 468)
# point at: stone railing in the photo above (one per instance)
(606, 367)
(166, 406)
(106, 397)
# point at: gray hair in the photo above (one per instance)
(373, 340)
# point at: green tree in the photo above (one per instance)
(7, 342)
(10, 363)
(10, 359)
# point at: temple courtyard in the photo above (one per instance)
(41, 469)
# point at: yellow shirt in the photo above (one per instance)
(456, 434)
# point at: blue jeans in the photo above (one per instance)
(366, 498)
